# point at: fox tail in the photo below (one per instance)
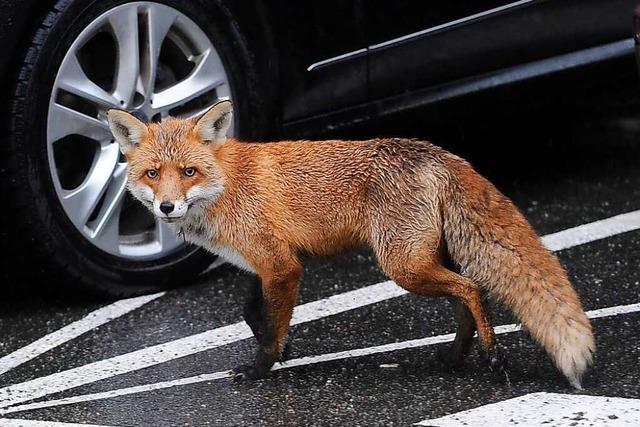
(492, 243)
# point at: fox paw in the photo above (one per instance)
(246, 373)
(497, 360)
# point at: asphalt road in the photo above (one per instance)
(162, 360)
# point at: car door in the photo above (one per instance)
(310, 35)
(414, 44)
(418, 44)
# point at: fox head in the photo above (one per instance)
(172, 166)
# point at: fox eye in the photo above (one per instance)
(152, 173)
(189, 172)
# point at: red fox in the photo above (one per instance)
(435, 226)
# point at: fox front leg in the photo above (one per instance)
(254, 313)
(255, 316)
(270, 323)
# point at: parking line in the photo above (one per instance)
(302, 361)
(192, 344)
(592, 231)
(12, 422)
(154, 355)
(73, 330)
(535, 409)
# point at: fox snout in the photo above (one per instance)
(170, 209)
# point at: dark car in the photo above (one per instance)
(291, 68)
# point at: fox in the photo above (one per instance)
(435, 226)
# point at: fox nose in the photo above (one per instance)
(166, 207)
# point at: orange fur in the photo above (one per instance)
(435, 226)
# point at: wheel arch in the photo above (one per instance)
(19, 21)
(255, 20)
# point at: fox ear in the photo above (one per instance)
(126, 129)
(213, 126)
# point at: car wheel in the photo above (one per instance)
(74, 223)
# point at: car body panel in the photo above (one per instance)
(311, 30)
(511, 34)
(330, 65)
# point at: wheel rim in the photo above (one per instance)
(159, 63)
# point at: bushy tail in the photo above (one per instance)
(493, 244)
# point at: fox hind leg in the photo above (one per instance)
(423, 274)
(454, 355)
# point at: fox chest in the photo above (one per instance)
(205, 236)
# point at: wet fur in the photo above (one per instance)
(415, 205)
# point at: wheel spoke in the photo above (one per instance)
(206, 76)
(197, 113)
(109, 237)
(167, 238)
(80, 202)
(106, 226)
(65, 121)
(74, 80)
(124, 23)
(158, 22)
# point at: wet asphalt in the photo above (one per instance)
(558, 182)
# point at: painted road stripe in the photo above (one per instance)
(592, 231)
(553, 409)
(208, 340)
(73, 330)
(150, 356)
(116, 393)
(12, 422)
(302, 361)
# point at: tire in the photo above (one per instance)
(42, 244)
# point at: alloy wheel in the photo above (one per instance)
(141, 57)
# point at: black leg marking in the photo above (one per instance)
(286, 352)
(257, 319)
(454, 356)
(254, 314)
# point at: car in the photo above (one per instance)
(291, 69)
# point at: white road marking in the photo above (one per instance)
(73, 330)
(208, 340)
(302, 361)
(117, 393)
(150, 356)
(12, 422)
(592, 231)
(551, 409)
